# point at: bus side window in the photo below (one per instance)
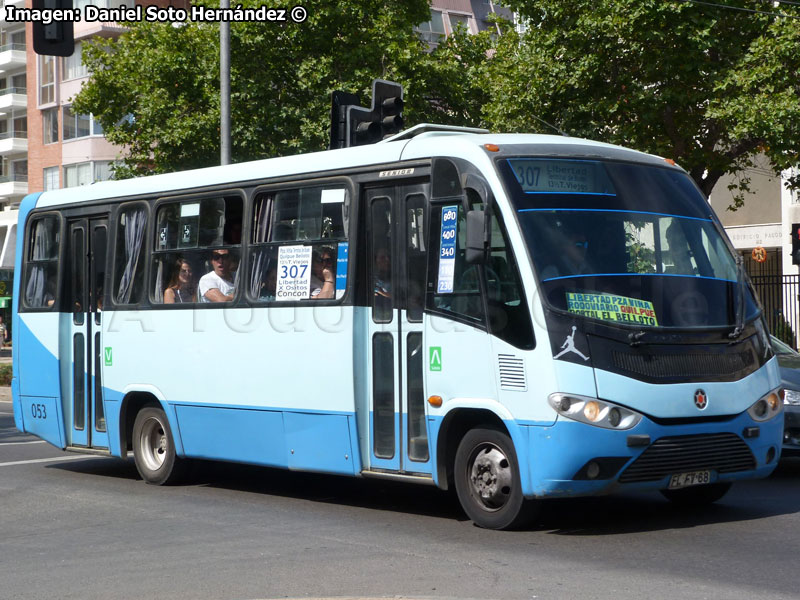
(42, 264)
(196, 238)
(454, 284)
(509, 317)
(299, 244)
(128, 261)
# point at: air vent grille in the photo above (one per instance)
(721, 452)
(512, 373)
(683, 365)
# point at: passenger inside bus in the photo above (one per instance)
(679, 251)
(323, 273)
(383, 273)
(217, 285)
(570, 256)
(182, 286)
(269, 285)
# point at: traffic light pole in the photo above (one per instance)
(224, 88)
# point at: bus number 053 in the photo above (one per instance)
(38, 411)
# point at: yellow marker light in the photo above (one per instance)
(492, 147)
(773, 401)
(435, 401)
(669, 161)
(591, 411)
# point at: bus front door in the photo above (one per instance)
(87, 248)
(396, 245)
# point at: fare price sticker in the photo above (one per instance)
(447, 252)
(608, 307)
(294, 273)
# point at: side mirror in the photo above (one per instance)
(475, 251)
(479, 233)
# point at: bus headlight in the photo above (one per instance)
(593, 411)
(791, 397)
(767, 406)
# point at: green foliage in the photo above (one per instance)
(705, 86)
(155, 90)
(782, 330)
(5, 374)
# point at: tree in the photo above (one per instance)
(706, 86)
(155, 90)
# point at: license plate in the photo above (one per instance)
(682, 480)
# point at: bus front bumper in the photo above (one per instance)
(574, 459)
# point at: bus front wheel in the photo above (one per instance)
(154, 447)
(487, 480)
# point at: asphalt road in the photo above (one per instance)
(86, 527)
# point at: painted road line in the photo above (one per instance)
(20, 443)
(44, 460)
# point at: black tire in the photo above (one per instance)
(697, 495)
(154, 448)
(487, 481)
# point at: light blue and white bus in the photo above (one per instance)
(515, 316)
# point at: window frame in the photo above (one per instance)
(113, 242)
(74, 120)
(52, 127)
(45, 171)
(152, 252)
(68, 63)
(342, 181)
(32, 220)
(434, 250)
(50, 86)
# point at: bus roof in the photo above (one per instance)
(424, 145)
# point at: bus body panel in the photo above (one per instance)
(36, 390)
(676, 400)
(229, 401)
(276, 358)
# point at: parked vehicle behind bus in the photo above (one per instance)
(514, 316)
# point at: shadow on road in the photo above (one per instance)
(605, 515)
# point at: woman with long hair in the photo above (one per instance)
(181, 286)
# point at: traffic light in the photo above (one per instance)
(387, 97)
(56, 38)
(796, 243)
(383, 119)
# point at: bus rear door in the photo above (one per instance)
(87, 249)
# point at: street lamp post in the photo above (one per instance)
(225, 87)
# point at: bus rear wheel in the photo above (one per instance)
(487, 480)
(697, 495)
(154, 448)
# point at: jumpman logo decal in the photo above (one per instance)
(569, 346)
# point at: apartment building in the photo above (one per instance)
(13, 111)
(447, 15)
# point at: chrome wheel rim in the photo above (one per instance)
(490, 477)
(154, 444)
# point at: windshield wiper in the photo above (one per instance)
(635, 338)
(740, 281)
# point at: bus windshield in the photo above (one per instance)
(624, 243)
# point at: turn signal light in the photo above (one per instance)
(492, 147)
(435, 401)
(766, 407)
